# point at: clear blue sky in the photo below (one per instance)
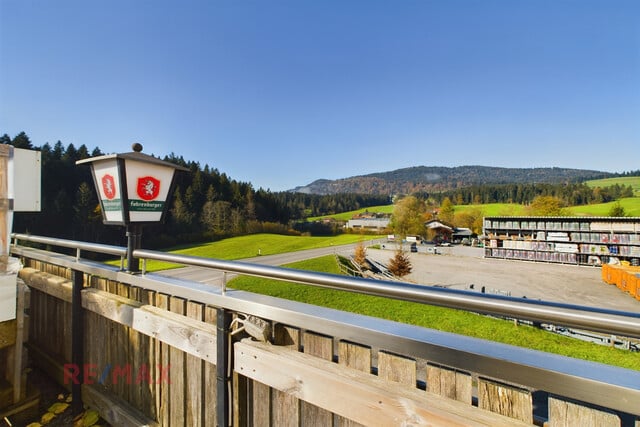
(281, 93)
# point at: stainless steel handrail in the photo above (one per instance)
(72, 244)
(603, 385)
(593, 319)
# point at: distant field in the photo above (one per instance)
(495, 209)
(631, 207)
(633, 181)
(249, 246)
(445, 319)
(346, 216)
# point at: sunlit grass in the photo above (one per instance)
(255, 244)
(346, 216)
(444, 319)
(633, 181)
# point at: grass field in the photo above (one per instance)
(631, 206)
(346, 216)
(633, 181)
(444, 319)
(254, 244)
(496, 209)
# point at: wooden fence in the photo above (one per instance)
(150, 358)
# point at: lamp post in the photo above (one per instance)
(134, 189)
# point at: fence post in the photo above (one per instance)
(77, 340)
(223, 367)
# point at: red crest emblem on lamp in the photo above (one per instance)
(148, 188)
(109, 186)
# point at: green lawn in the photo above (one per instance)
(633, 181)
(631, 207)
(254, 244)
(444, 319)
(346, 216)
(495, 209)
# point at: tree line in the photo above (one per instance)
(571, 194)
(206, 204)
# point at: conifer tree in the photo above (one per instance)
(400, 265)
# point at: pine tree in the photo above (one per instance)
(400, 265)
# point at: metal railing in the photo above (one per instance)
(589, 318)
(602, 385)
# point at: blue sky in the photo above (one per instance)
(281, 93)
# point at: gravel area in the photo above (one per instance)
(459, 267)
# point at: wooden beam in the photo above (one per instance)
(356, 395)
(55, 286)
(191, 336)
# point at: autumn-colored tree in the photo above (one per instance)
(546, 206)
(400, 265)
(407, 217)
(446, 211)
(360, 254)
(469, 218)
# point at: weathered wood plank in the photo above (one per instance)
(322, 347)
(19, 377)
(359, 396)
(567, 414)
(49, 284)
(449, 383)
(177, 372)
(285, 407)
(123, 346)
(194, 337)
(98, 338)
(163, 400)
(147, 355)
(135, 355)
(506, 400)
(396, 368)
(261, 408)
(194, 375)
(357, 357)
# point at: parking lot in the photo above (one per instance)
(460, 267)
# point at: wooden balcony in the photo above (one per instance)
(149, 350)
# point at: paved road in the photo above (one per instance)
(214, 277)
(460, 267)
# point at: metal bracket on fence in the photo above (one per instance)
(77, 339)
(144, 266)
(223, 367)
(224, 282)
(255, 327)
(78, 254)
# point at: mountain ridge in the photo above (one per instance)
(442, 178)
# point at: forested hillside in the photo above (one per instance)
(207, 204)
(437, 179)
